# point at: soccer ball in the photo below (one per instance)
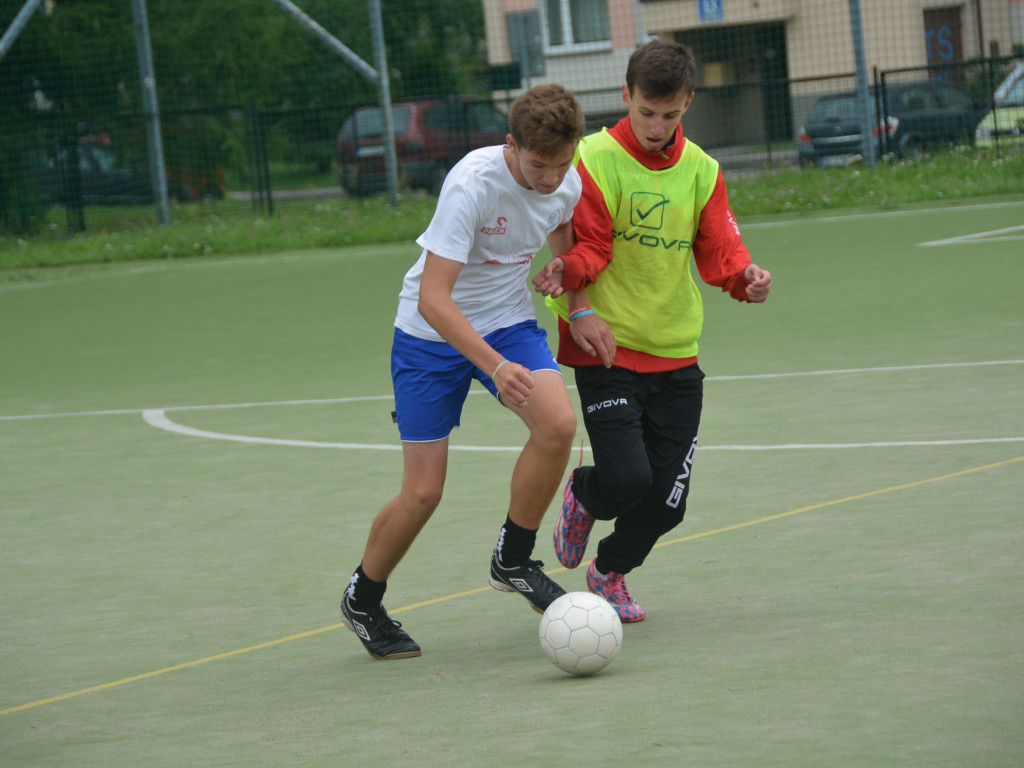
(581, 633)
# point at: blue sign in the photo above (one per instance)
(710, 10)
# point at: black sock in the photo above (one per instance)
(364, 593)
(515, 544)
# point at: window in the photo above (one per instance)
(524, 42)
(918, 99)
(369, 122)
(1014, 94)
(574, 23)
(953, 98)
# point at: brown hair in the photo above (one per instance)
(545, 120)
(661, 69)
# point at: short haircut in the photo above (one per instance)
(546, 119)
(661, 69)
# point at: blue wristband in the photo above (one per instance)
(583, 313)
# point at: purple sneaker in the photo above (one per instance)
(572, 529)
(613, 589)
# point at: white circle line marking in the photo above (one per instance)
(158, 418)
(365, 398)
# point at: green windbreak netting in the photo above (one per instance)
(262, 99)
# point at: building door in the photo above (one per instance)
(743, 76)
(778, 112)
(943, 40)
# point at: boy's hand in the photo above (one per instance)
(548, 281)
(594, 337)
(513, 382)
(759, 283)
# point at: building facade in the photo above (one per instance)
(762, 63)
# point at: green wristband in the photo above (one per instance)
(498, 369)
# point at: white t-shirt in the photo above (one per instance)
(494, 227)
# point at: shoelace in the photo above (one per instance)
(388, 626)
(617, 587)
(579, 531)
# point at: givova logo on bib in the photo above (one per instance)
(647, 210)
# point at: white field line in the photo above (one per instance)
(158, 418)
(162, 265)
(848, 371)
(366, 398)
(877, 215)
(979, 237)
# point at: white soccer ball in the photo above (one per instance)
(581, 633)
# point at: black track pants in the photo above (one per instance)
(643, 431)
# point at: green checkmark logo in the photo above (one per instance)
(647, 210)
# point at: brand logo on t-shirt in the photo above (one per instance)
(732, 220)
(512, 258)
(498, 230)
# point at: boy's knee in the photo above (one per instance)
(559, 430)
(626, 488)
(563, 428)
(425, 498)
(671, 518)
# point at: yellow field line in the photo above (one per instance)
(834, 502)
(332, 627)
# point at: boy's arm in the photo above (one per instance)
(438, 308)
(579, 266)
(722, 258)
(561, 239)
(548, 282)
(590, 332)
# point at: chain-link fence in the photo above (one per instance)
(260, 99)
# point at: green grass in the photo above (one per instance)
(232, 227)
(222, 228)
(959, 174)
(847, 589)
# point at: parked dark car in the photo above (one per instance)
(91, 171)
(916, 117)
(430, 137)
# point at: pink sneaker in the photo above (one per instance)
(613, 589)
(572, 529)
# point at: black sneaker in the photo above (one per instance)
(382, 636)
(527, 579)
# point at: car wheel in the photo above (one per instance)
(349, 182)
(911, 148)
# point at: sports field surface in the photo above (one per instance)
(192, 453)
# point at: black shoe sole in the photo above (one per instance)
(393, 656)
(503, 587)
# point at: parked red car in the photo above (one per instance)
(430, 137)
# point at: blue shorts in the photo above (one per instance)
(432, 378)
